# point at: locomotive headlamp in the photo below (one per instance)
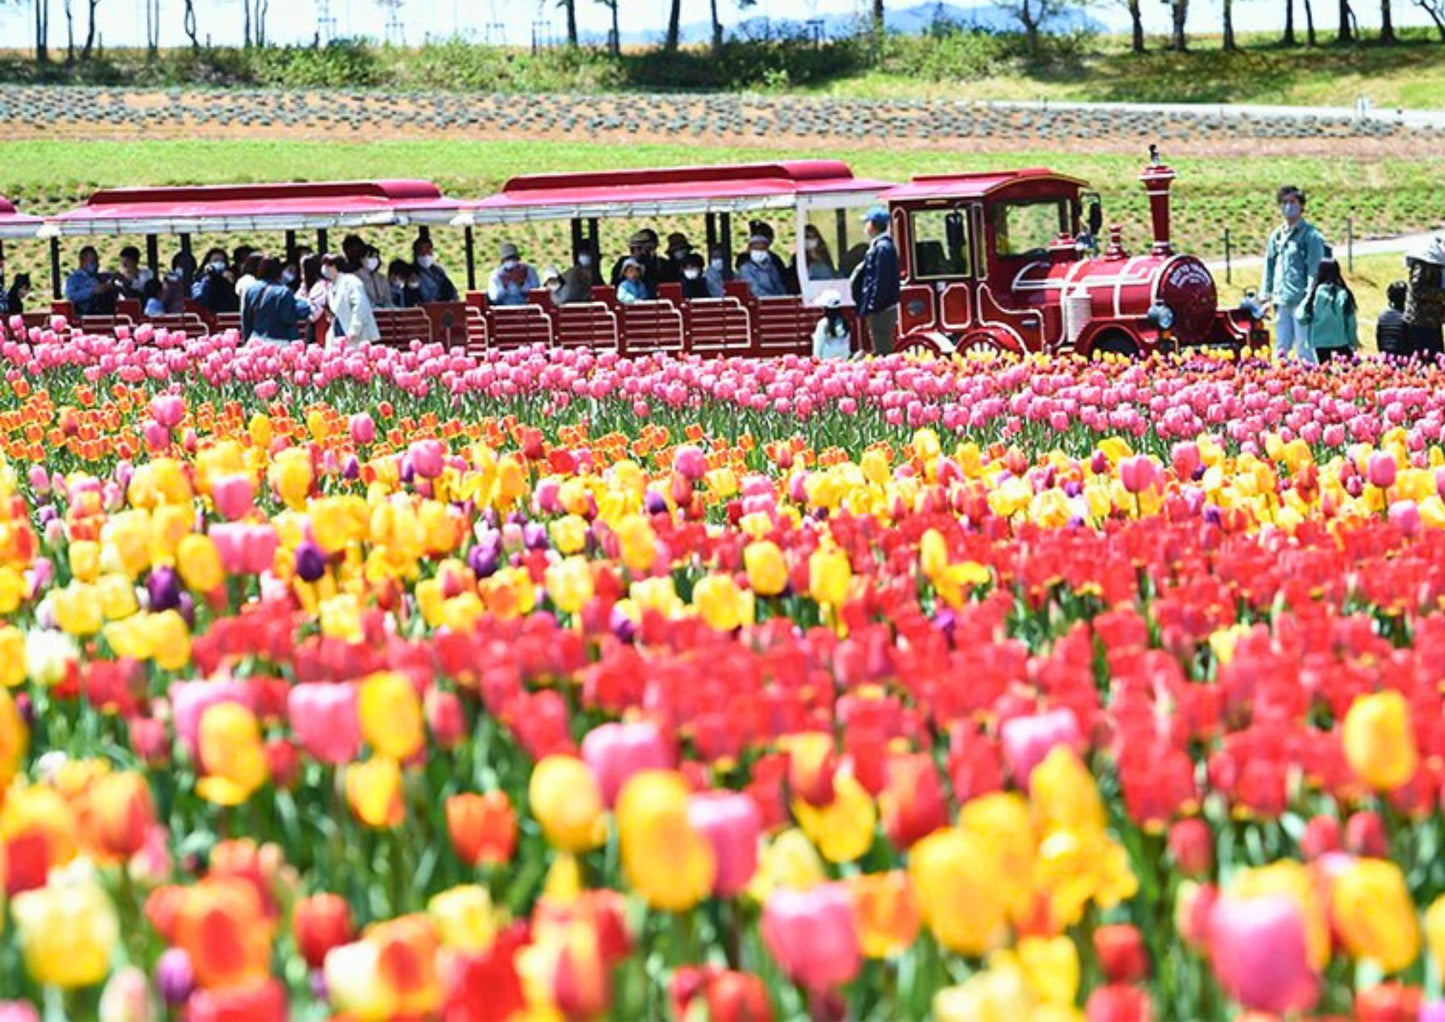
(1161, 315)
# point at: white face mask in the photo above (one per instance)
(426, 262)
(692, 274)
(330, 273)
(813, 244)
(758, 255)
(717, 264)
(398, 284)
(287, 277)
(584, 259)
(218, 266)
(371, 263)
(510, 264)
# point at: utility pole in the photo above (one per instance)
(325, 22)
(395, 30)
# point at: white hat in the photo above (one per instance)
(548, 272)
(1431, 250)
(829, 299)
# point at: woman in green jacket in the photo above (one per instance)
(1328, 313)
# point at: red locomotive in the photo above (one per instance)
(1002, 262)
(997, 262)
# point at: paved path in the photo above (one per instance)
(1373, 246)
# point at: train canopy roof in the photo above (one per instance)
(669, 191)
(974, 186)
(254, 207)
(14, 224)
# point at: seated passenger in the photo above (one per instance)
(404, 281)
(173, 294)
(151, 294)
(90, 291)
(551, 279)
(819, 260)
(15, 297)
(578, 280)
(631, 289)
(215, 286)
(763, 229)
(716, 268)
(642, 249)
(695, 284)
(760, 270)
(669, 270)
(434, 284)
(133, 277)
(512, 278)
(378, 290)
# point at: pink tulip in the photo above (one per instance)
(813, 935)
(1406, 516)
(1138, 473)
(1380, 470)
(168, 409)
(616, 751)
(732, 825)
(427, 458)
(245, 549)
(689, 460)
(1027, 740)
(157, 437)
(1259, 953)
(324, 720)
(363, 429)
(233, 495)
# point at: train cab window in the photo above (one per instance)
(832, 245)
(940, 244)
(1029, 227)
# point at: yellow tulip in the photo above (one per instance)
(464, 917)
(85, 560)
(1063, 795)
(1000, 821)
(790, 861)
(722, 605)
(231, 753)
(390, 715)
(828, 576)
(374, 792)
(638, 543)
(14, 735)
(666, 860)
(1051, 966)
(1435, 932)
(1373, 914)
(1379, 740)
(78, 609)
(12, 657)
(567, 801)
(67, 933)
(766, 569)
(569, 534)
(964, 903)
(117, 597)
(199, 563)
(844, 829)
(569, 583)
(170, 639)
(291, 475)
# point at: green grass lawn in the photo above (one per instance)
(1384, 196)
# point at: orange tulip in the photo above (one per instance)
(221, 924)
(120, 812)
(887, 912)
(320, 923)
(483, 828)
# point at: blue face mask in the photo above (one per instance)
(1289, 209)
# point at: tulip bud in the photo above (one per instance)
(1321, 836)
(1365, 835)
(363, 429)
(320, 923)
(1191, 845)
(1380, 470)
(174, 977)
(1121, 953)
(445, 718)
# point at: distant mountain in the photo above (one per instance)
(915, 20)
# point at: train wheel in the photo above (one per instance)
(918, 344)
(980, 346)
(1114, 342)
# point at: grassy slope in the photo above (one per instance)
(1385, 196)
(1409, 75)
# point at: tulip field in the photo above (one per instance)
(372, 683)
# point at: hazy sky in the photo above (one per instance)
(122, 22)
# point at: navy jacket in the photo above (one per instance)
(877, 287)
(272, 312)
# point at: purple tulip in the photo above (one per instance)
(174, 976)
(164, 588)
(310, 562)
(534, 536)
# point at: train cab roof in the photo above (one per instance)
(669, 191)
(297, 205)
(983, 185)
(15, 224)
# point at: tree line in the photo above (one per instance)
(1032, 16)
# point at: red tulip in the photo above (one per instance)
(1191, 846)
(320, 923)
(1121, 952)
(1116, 1003)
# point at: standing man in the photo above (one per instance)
(875, 283)
(1291, 263)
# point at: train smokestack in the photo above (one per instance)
(1157, 178)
